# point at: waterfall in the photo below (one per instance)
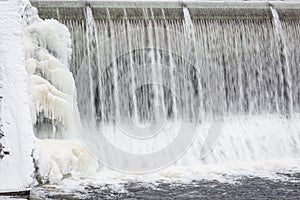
(91, 36)
(148, 100)
(188, 23)
(190, 32)
(171, 69)
(133, 79)
(286, 74)
(155, 89)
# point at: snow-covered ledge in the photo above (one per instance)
(16, 166)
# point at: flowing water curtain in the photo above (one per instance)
(161, 67)
(287, 96)
(143, 49)
(245, 89)
(292, 39)
(236, 63)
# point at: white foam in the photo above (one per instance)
(59, 158)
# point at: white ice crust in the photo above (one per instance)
(52, 92)
(51, 85)
(62, 158)
(16, 169)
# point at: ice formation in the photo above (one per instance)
(51, 85)
(61, 158)
(52, 96)
(55, 104)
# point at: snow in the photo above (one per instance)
(16, 169)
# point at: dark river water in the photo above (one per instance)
(287, 187)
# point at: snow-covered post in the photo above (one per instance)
(16, 166)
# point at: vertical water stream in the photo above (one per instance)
(287, 96)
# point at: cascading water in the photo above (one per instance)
(194, 71)
(286, 74)
(149, 55)
(90, 33)
(132, 73)
(142, 82)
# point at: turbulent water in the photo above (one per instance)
(243, 188)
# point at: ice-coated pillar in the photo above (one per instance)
(17, 141)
